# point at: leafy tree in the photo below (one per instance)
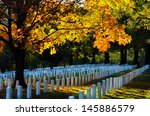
(36, 25)
(28, 25)
(137, 24)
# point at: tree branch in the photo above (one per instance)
(2, 39)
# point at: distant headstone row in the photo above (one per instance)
(69, 71)
(78, 77)
(109, 84)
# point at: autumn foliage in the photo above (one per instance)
(36, 25)
(53, 22)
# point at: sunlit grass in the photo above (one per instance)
(139, 88)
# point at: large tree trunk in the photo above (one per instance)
(71, 59)
(123, 55)
(85, 57)
(20, 61)
(147, 54)
(136, 59)
(107, 57)
(93, 56)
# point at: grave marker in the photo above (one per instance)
(57, 84)
(1, 84)
(37, 88)
(63, 82)
(8, 93)
(81, 94)
(68, 82)
(45, 86)
(52, 86)
(99, 90)
(88, 94)
(103, 87)
(93, 91)
(76, 81)
(71, 97)
(19, 92)
(29, 91)
(72, 81)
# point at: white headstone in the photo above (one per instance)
(88, 93)
(52, 86)
(37, 88)
(117, 84)
(29, 91)
(89, 78)
(99, 90)
(83, 80)
(72, 81)
(30, 80)
(94, 76)
(76, 81)
(86, 79)
(44, 78)
(71, 97)
(63, 82)
(81, 95)
(1, 84)
(8, 93)
(68, 82)
(57, 84)
(45, 86)
(93, 91)
(79, 81)
(19, 92)
(9, 82)
(110, 82)
(103, 87)
(107, 85)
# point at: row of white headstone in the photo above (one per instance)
(101, 89)
(71, 71)
(79, 80)
(74, 81)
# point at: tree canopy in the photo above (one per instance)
(36, 25)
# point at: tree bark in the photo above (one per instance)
(123, 55)
(85, 57)
(107, 58)
(136, 59)
(71, 59)
(19, 55)
(147, 54)
(93, 56)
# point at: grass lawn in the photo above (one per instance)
(139, 88)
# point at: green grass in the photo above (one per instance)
(139, 88)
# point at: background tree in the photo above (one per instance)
(137, 24)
